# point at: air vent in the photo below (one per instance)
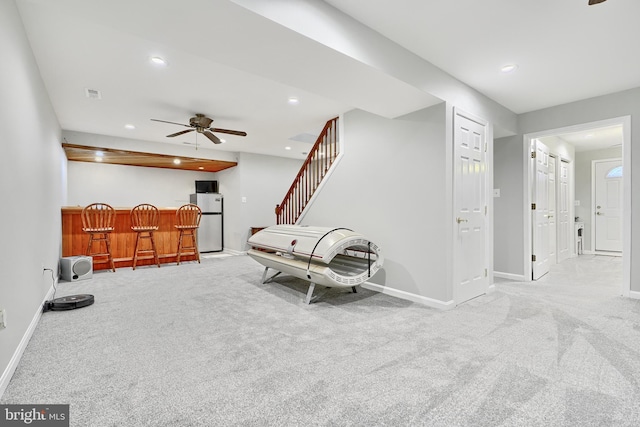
(307, 137)
(93, 93)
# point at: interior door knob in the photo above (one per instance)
(459, 220)
(598, 213)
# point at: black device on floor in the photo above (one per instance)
(70, 302)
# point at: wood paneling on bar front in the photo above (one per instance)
(123, 239)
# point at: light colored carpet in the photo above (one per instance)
(208, 345)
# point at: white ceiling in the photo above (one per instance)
(594, 139)
(240, 68)
(566, 50)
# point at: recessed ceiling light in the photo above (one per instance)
(98, 159)
(223, 140)
(509, 68)
(201, 167)
(176, 161)
(99, 153)
(589, 135)
(293, 100)
(129, 126)
(287, 148)
(158, 60)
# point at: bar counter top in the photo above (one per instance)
(123, 239)
(78, 209)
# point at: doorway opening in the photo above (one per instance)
(571, 153)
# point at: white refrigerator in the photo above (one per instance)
(210, 230)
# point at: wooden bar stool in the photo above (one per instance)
(98, 220)
(187, 222)
(144, 221)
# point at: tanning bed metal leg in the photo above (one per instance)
(313, 298)
(270, 278)
(353, 288)
(312, 286)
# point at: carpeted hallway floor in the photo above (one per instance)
(208, 345)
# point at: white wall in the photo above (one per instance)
(583, 170)
(390, 187)
(508, 221)
(262, 182)
(32, 189)
(128, 186)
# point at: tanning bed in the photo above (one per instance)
(331, 257)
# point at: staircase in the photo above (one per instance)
(313, 170)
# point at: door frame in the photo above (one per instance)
(592, 210)
(625, 122)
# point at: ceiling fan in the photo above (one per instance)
(592, 2)
(200, 123)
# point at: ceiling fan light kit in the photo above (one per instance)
(200, 123)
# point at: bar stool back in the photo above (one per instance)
(144, 221)
(98, 220)
(187, 222)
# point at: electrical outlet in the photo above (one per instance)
(3, 319)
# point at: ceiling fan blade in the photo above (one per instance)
(232, 132)
(212, 137)
(592, 2)
(182, 132)
(173, 123)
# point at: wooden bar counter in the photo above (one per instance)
(123, 239)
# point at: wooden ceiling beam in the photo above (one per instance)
(85, 153)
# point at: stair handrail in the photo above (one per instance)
(296, 199)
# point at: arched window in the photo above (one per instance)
(615, 172)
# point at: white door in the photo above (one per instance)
(470, 207)
(552, 214)
(608, 206)
(565, 228)
(540, 210)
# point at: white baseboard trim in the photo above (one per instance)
(509, 276)
(234, 252)
(17, 355)
(605, 253)
(634, 294)
(434, 303)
